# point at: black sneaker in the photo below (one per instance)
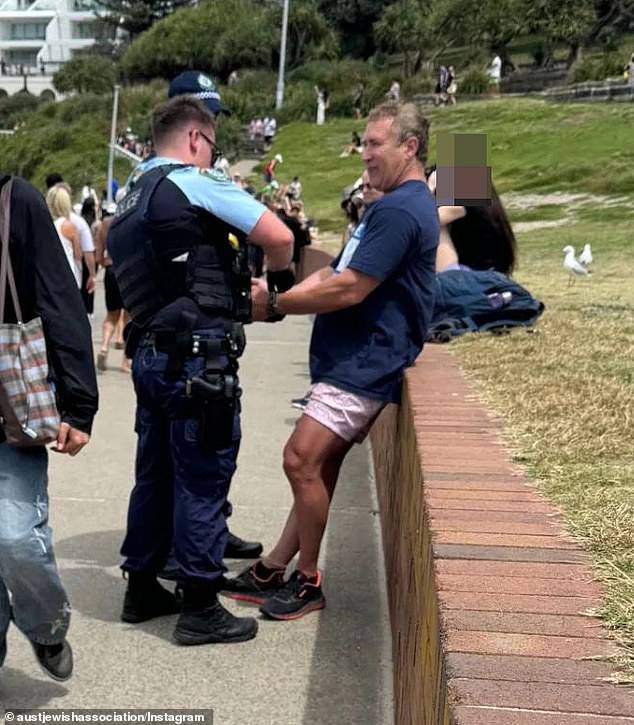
(299, 596)
(213, 625)
(255, 584)
(146, 601)
(56, 660)
(238, 548)
(299, 403)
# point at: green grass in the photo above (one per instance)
(533, 147)
(566, 392)
(543, 212)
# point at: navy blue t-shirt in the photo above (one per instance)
(364, 348)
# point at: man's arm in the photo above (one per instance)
(328, 294)
(324, 291)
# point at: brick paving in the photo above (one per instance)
(515, 593)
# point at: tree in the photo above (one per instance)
(136, 16)
(351, 19)
(308, 33)
(561, 21)
(489, 23)
(217, 36)
(415, 29)
(84, 74)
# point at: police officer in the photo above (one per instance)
(186, 337)
(199, 84)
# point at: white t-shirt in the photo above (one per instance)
(495, 71)
(67, 245)
(85, 235)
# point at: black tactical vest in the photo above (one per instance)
(217, 273)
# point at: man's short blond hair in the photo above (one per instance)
(408, 122)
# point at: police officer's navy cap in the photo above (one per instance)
(196, 83)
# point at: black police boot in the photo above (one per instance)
(238, 548)
(145, 599)
(205, 621)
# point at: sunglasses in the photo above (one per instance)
(216, 153)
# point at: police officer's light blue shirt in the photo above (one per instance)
(210, 190)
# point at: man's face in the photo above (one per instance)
(384, 156)
(203, 147)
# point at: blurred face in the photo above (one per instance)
(386, 158)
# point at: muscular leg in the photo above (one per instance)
(287, 545)
(312, 459)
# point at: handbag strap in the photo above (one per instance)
(6, 268)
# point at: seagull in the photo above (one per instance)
(585, 257)
(571, 265)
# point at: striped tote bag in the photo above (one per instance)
(28, 412)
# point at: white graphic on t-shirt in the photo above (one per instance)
(350, 248)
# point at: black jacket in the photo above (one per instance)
(46, 288)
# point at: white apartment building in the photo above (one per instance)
(37, 36)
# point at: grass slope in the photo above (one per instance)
(566, 392)
(533, 147)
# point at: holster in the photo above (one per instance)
(215, 391)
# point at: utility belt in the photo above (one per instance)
(212, 395)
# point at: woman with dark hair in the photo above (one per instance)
(477, 237)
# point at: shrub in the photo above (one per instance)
(474, 82)
(85, 74)
(14, 108)
(597, 68)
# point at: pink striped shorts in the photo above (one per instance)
(347, 415)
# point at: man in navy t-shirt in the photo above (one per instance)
(373, 306)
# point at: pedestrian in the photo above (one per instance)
(116, 317)
(89, 270)
(269, 170)
(357, 100)
(322, 101)
(494, 71)
(60, 206)
(373, 305)
(394, 94)
(270, 129)
(186, 337)
(441, 86)
(452, 88)
(38, 604)
(259, 135)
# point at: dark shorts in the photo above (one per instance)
(113, 296)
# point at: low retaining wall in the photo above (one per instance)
(490, 600)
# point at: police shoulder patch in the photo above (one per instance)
(215, 175)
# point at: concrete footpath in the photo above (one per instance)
(330, 668)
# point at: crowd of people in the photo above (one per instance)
(131, 142)
(262, 132)
(190, 255)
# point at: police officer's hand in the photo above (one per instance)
(259, 299)
(70, 440)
